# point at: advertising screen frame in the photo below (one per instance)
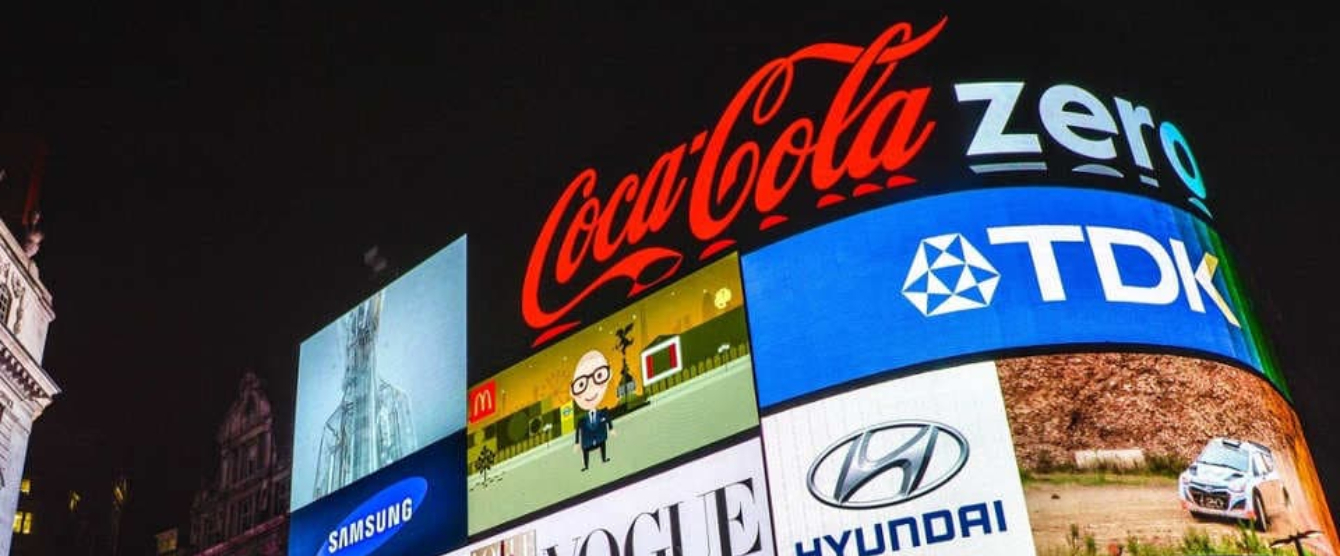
(408, 341)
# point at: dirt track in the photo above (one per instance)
(1166, 406)
(1114, 512)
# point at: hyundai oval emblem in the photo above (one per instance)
(926, 455)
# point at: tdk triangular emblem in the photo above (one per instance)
(948, 274)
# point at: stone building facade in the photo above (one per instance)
(25, 388)
(244, 512)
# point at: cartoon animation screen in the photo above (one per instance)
(384, 380)
(666, 375)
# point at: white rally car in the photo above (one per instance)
(1235, 479)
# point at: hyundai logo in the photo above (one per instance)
(917, 458)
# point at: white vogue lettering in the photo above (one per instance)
(729, 525)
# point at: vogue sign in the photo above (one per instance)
(716, 504)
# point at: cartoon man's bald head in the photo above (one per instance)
(590, 379)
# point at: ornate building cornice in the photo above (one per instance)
(23, 372)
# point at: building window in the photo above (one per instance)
(23, 522)
(253, 458)
(246, 515)
(74, 501)
(25, 486)
(6, 299)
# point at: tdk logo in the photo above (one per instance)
(376, 520)
(947, 274)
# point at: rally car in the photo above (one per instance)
(1235, 479)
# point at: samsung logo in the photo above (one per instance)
(376, 520)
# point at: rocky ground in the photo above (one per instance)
(1165, 405)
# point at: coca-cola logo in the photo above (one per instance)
(597, 237)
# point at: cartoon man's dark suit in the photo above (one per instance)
(589, 381)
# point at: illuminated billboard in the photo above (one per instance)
(918, 465)
(666, 375)
(1129, 450)
(383, 380)
(832, 128)
(716, 504)
(412, 506)
(964, 316)
(988, 270)
(1067, 453)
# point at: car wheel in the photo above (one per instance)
(1262, 522)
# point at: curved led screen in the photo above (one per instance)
(988, 270)
(873, 307)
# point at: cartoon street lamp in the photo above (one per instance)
(627, 386)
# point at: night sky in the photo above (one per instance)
(215, 174)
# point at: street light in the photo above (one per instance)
(1296, 539)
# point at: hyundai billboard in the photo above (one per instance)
(1065, 453)
(661, 377)
(383, 380)
(918, 465)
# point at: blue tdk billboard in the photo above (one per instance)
(413, 506)
(989, 270)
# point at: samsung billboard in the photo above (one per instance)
(412, 506)
(383, 380)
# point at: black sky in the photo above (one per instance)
(216, 172)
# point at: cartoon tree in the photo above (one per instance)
(484, 461)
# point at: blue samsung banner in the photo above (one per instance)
(413, 506)
(989, 270)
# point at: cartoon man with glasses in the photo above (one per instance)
(589, 381)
